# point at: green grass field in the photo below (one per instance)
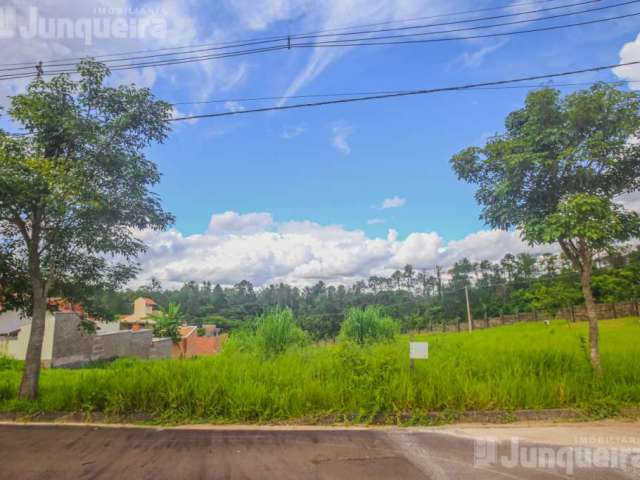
(523, 366)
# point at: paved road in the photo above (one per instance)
(70, 452)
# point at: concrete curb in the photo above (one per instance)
(430, 419)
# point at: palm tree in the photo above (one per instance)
(167, 321)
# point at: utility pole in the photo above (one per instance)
(466, 294)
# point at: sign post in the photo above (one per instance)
(417, 351)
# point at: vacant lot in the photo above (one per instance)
(520, 366)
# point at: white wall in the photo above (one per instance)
(107, 327)
(11, 321)
(18, 348)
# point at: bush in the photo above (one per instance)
(368, 325)
(276, 332)
(10, 364)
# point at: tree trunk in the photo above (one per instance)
(592, 314)
(31, 373)
(582, 258)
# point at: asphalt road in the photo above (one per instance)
(70, 452)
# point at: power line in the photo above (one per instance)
(407, 93)
(70, 63)
(350, 42)
(457, 22)
(382, 92)
(273, 38)
(152, 64)
(368, 41)
(429, 17)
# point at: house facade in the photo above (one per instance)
(139, 319)
(68, 344)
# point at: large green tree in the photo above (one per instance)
(73, 190)
(555, 173)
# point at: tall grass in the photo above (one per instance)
(519, 366)
(275, 332)
(367, 325)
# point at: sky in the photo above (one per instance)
(334, 193)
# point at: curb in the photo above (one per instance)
(429, 419)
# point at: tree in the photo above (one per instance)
(167, 322)
(555, 173)
(72, 192)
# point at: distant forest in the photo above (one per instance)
(414, 297)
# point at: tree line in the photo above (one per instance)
(415, 298)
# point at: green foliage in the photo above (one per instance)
(515, 284)
(555, 174)
(531, 366)
(274, 333)
(597, 222)
(368, 325)
(551, 296)
(10, 364)
(74, 190)
(167, 321)
(556, 170)
(552, 149)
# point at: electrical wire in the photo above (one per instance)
(369, 42)
(273, 38)
(457, 22)
(406, 93)
(349, 42)
(382, 92)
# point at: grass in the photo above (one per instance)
(522, 366)
(367, 325)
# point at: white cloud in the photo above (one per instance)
(393, 202)
(340, 133)
(476, 58)
(332, 14)
(194, 81)
(233, 106)
(292, 131)
(628, 53)
(252, 247)
(487, 244)
(177, 113)
(375, 221)
(234, 223)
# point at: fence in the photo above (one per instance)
(605, 311)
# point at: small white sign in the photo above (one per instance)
(418, 350)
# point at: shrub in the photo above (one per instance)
(11, 364)
(276, 332)
(368, 325)
(168, 322)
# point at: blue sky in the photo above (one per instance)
(308, 170)
(395, 147)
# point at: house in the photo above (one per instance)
(186, 347)
(195, 343)
(139, 319)
(64, 337)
